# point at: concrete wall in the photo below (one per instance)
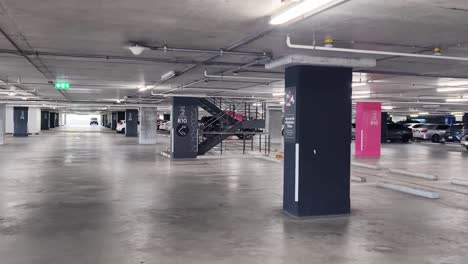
(274, 123)
(34, 120)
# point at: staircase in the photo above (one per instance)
(228, 125)
(211, 142)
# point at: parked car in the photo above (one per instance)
(433, 132)
(464, 142)
(165, 125)
(94, 121)
(398, 132)
(413, 125)
(121, 125)
(455, 133)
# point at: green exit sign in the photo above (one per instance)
(62, 85)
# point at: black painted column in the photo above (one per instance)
(52, 120)
(120, 116)
(465, 118)
(56, 119)
(384, 129)
(114, 121)
(184, 132)
(131, 126)
(45, 123)
(20, 119)
(317, 148)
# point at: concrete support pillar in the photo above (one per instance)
(45, 123)
(184, 132)
(148, 125)
(20, 121)
(2, 123)
(274, 123)
(317, 160)
(369, 128)
(131, 126)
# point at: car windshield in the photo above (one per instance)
(418, 126)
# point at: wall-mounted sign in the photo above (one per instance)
(290, 115)
(182, 130)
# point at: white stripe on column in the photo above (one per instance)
(362, 139)
(296, 181)
(172, 140)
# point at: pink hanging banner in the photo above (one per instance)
(368, 129)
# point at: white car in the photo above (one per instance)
(121, 125)
(166, 126)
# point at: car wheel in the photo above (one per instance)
(405, 139)
(436, 138)
(122, 131)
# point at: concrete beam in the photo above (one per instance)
(297, 59)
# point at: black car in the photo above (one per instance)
(455, 133)
(398, 132)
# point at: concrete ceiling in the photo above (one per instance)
(85, 42)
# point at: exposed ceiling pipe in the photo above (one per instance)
(217, 96)
(98, 57)
(372, 52)
(236, 45)
(241, 77)
(206, 51)
(40, 68)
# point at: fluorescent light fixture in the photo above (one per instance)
(24, 98)
(361, 92)
(142, 89)
(452, 82)
(451, 89)
(360, 96)
(304, 9)
(456, 100)
(11, 94)
(118, 101)
(278, 94)
(359, 84)
(414, 115)
(387, 107)
(424, 113)
(168, 76)
(281, 103)
(137, 49)
(457, 113)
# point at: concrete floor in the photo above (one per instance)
(83, 197)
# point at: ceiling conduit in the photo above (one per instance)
(373, 52)
(242, 77)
